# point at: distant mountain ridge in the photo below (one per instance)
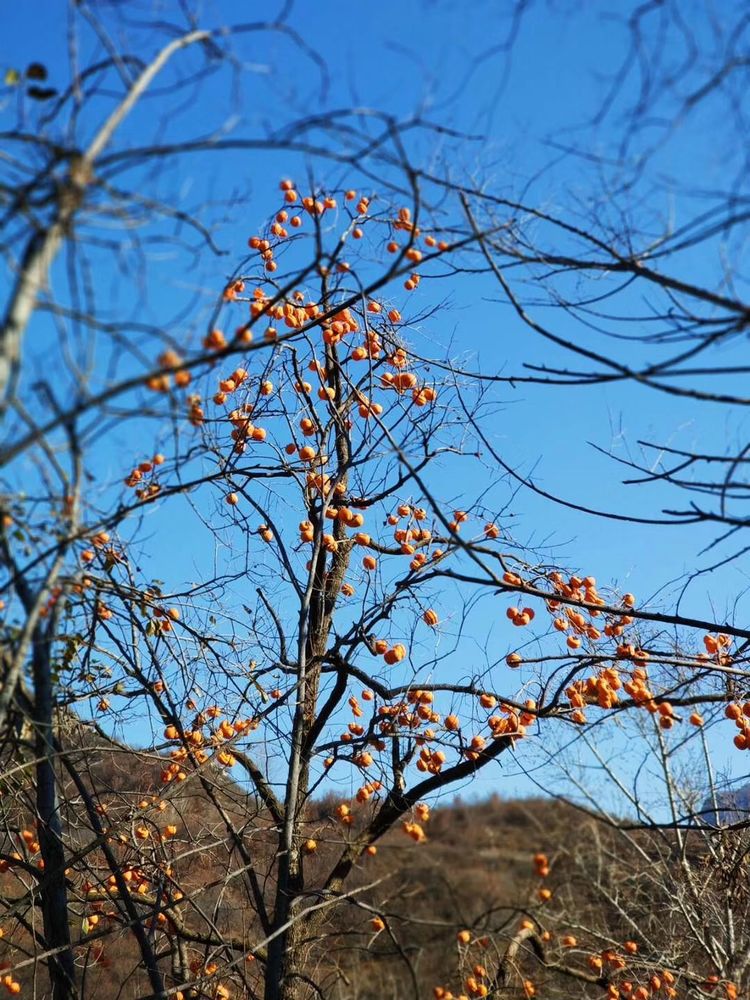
(730, 807)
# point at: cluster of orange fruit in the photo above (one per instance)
(196, 745)
(297, 314)
(570, 620)
(391, 654)
(201, 970)
(573, 621)
(366, 792)
(541, 865)
(514, 723)
(601, 689)
(609, 960)
(162, 381)
(54, 596)
(414, 830)
(475, 984)
(740, 715)
(11, 985)
(409, 714)
(134, 479)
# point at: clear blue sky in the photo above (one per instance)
(447, 59)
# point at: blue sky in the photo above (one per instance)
(526, 104)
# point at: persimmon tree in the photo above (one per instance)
(646, 900)
(311, 440)
(272, 561)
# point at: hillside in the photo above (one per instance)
(473, 873)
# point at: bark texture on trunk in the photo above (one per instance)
(53, 888)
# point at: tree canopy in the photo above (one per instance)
(279, 570)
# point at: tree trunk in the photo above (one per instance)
(286, 964)
(285, 978)
(53, 888)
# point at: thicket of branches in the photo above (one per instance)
(321, 493)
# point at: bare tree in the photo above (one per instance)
(638, 274)
(650, 895)
(328, 470)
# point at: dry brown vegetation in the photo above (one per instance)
(465, 898)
